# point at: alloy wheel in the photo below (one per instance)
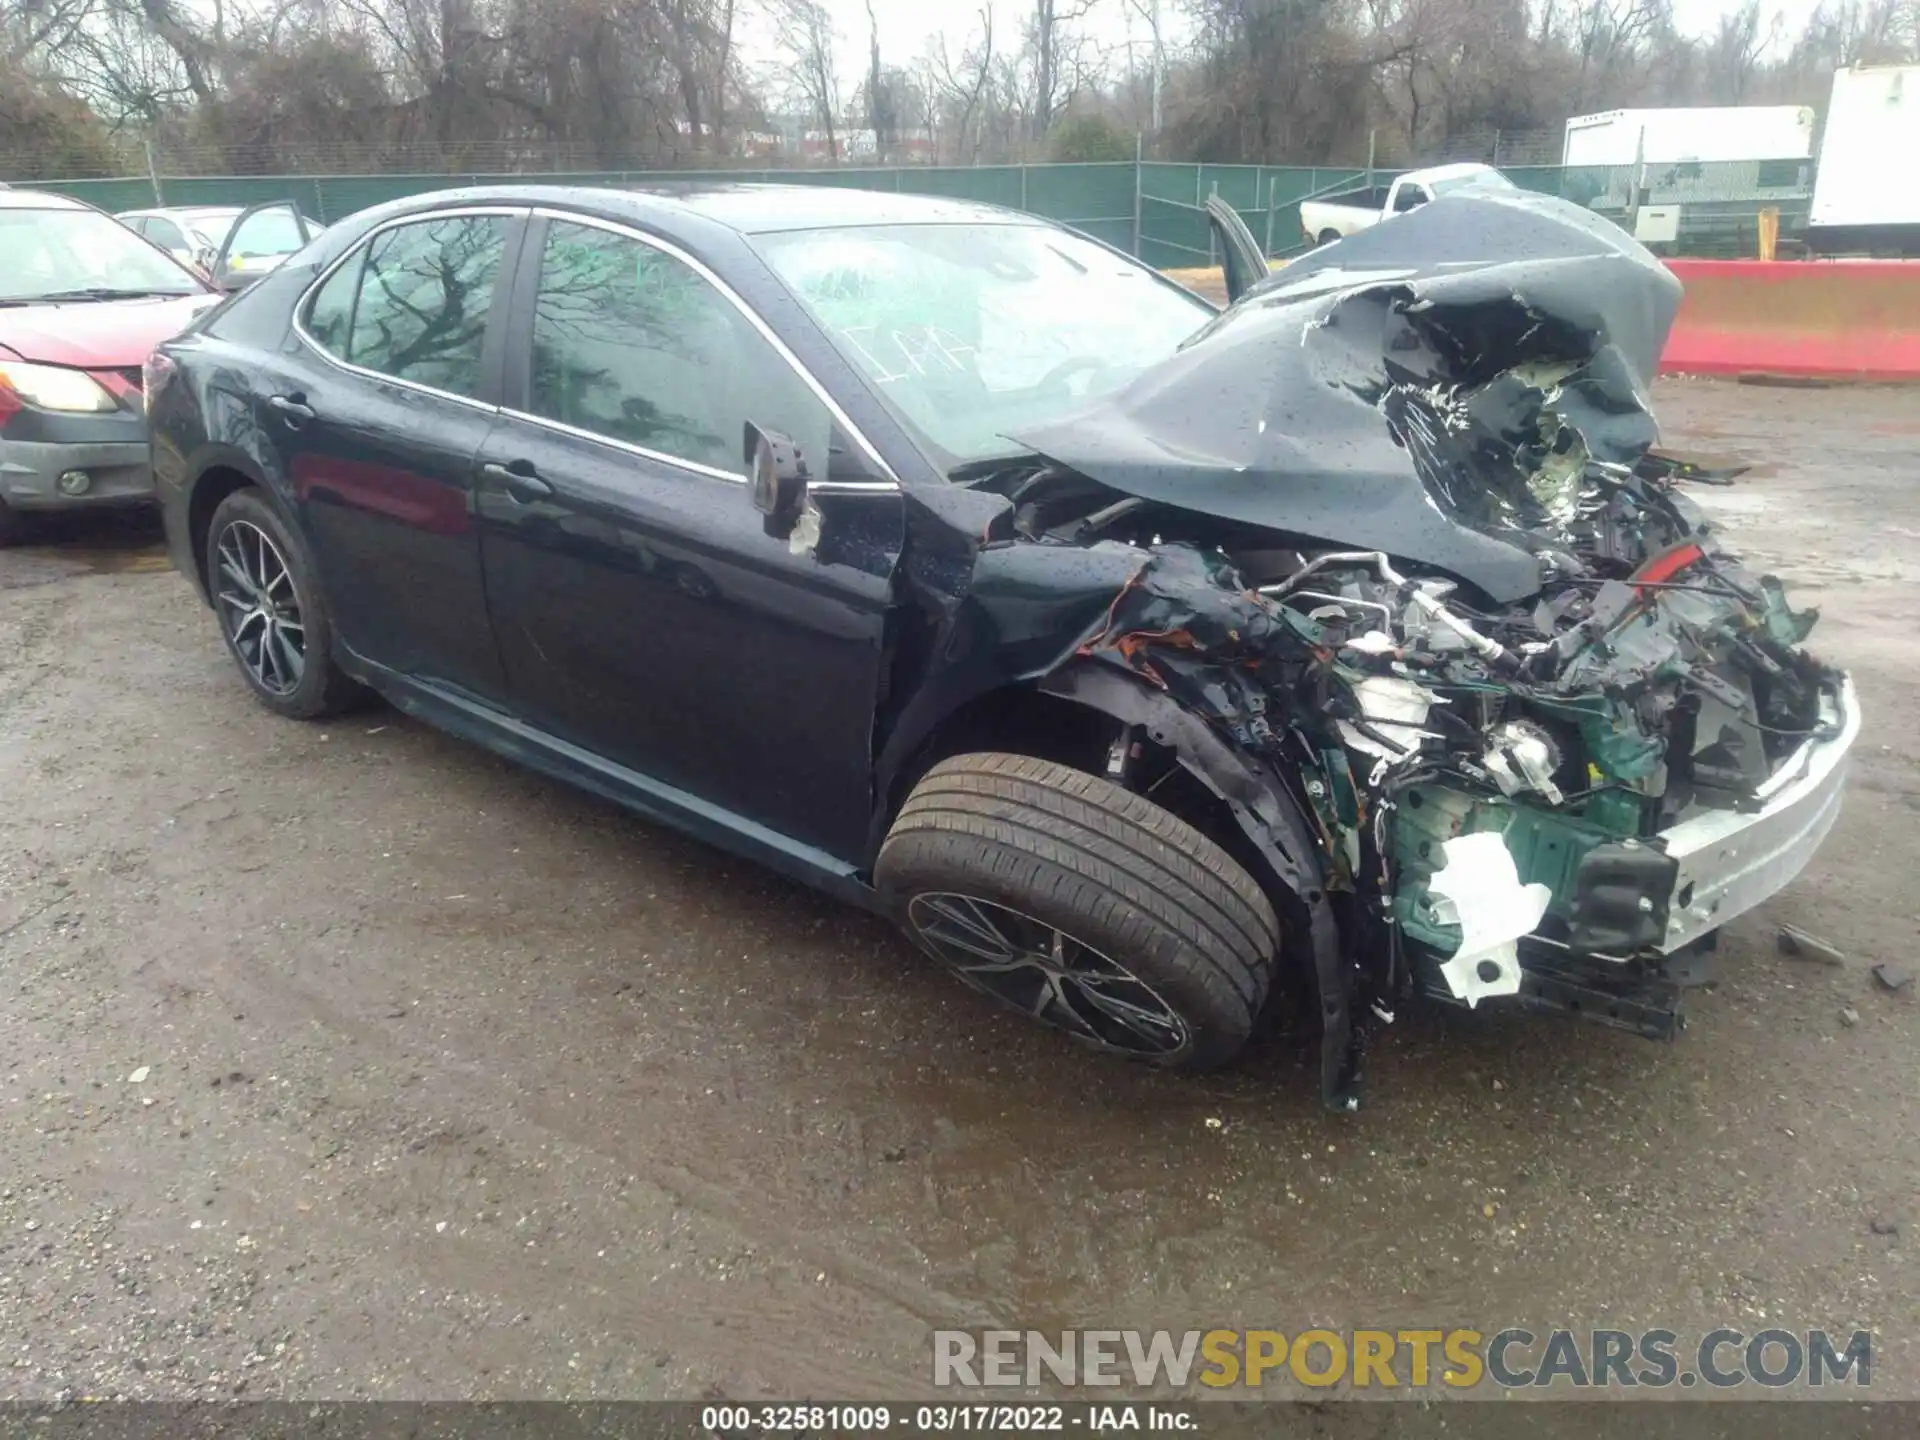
(1041, 970)
(260, 608)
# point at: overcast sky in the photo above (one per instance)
(906, 27)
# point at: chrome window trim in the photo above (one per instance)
(712, 472)
(366, 240)
(807, 378)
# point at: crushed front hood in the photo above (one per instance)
(1432, 388)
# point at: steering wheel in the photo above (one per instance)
(1057, 377)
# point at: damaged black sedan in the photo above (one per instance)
(1137, 658)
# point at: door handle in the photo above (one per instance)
(523, 482)
(293, 407)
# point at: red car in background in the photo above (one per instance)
(83, 302)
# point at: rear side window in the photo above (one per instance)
(413, 302)
(330, 313)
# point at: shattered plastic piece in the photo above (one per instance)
(1521, 756)
(1893, 977)
(1493, 910)
(1803, 946)
(1395, 710)
(1849, 1016)
(806, 533)
(1374, 642)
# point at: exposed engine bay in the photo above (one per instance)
(1394, 526)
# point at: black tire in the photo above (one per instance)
(1032, 850)
(314, 688)
(1327, 237)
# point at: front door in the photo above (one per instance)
(641, 609)
(378, 431)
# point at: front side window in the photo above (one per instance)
(1411, 197)
(416, 305)
(636, 345)
(973, 332)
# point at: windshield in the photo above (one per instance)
(1479, 180)
(54, 252)
(973, 331)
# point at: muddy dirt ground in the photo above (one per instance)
(347, 1060)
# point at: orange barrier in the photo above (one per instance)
(1816, 319)
(1812, 319)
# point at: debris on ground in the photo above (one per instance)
(139, 1077)
(1802, 946)
(1893, 977)
(1849, 1016)
(1881, 1225)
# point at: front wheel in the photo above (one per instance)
(1084, 906)
(1329, 235)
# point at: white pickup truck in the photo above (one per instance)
(1323, 221)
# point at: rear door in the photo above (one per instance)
(377, 417)
(642, 610)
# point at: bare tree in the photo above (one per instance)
(1149, 11)
(1055, 50)
(805, 33)
(963, 87)
(1732, 53)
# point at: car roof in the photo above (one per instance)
(754, 209)
(747, 208)
(39, 200)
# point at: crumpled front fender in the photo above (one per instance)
(1275, 828)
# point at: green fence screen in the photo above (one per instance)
(1152, 210)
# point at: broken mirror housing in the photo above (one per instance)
(779, 478)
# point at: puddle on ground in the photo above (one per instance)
(59, 547)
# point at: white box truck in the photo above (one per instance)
(1864, 198)
(1701, 135)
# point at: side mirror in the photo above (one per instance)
(777, 475)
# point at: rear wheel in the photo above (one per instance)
(272, 612)
(1084, 906)
(1328, 236)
